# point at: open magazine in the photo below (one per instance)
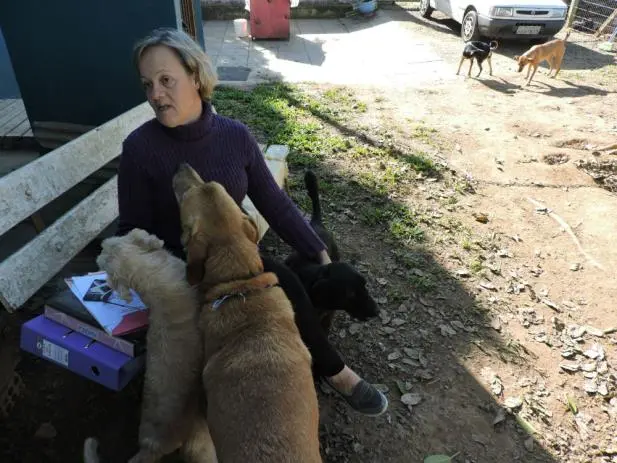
(115, 315)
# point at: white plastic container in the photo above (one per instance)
(241, 27)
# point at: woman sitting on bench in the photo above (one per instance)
(179, 81)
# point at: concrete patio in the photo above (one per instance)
(345, 51)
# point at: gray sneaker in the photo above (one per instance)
(365, 398)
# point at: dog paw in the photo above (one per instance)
(122, 289)
(125, 293)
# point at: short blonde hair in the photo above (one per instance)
(192, 57)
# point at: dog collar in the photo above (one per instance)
(217, 296)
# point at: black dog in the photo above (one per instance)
(336, 286)
(479, 51)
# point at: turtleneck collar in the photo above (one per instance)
(193, 130)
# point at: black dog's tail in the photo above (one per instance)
(312, 188)
(494, 44)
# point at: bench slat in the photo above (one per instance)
(28, 189)
(276, 160)
(27, 270)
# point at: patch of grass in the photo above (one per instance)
(452, 224)
(467, 244)
(463, 186)
(476, 265)
(363, 151)
(420, 162)
(422, 284)
(450, 201)
(427, 135)
(410, 260)
(398, 219)
(345, 97)
(279, 114)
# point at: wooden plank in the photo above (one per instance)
(27, 270)
(277, 164)
(5, 102)
(572, 13)
(28, 189)
(277, 152)
(9, 113)
(13, 124)
(606, 23)
(19, 130)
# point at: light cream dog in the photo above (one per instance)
(173, 407)
(552, 52)
(262, 404)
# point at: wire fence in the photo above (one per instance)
(595, 18)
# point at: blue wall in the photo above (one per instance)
(73, 58)
(8, 84)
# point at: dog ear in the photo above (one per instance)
(146, 240)
(196, 253)
(516, 58)
(250, 229)
(325, 289)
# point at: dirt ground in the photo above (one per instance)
(497, 339)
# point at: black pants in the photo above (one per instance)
(326, 360)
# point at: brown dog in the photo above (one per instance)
(262, 404)
(552, 52)
(172, 413)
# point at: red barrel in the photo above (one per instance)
(270, 19)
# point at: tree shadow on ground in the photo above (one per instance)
(542, 86)
(426, 310)
(429, 301)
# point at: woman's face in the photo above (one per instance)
(171, 91)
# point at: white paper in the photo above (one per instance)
(56, 353)
(108, 314)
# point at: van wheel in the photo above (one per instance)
(469, 27)
(426, 9)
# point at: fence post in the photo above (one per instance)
(572, 13)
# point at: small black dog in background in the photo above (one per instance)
(336, 286)
(479, 51)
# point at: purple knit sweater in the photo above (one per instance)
(219, 149)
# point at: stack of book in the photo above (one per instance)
(91, 331)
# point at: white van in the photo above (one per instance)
(506, 19)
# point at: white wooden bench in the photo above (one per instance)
(26, 190)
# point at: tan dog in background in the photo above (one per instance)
(552, 52)
(172, 415)
(262, 404)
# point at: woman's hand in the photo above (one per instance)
(324, 258)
